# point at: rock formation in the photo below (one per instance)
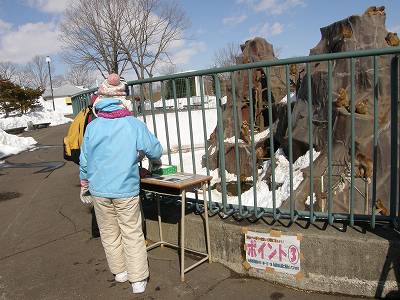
(353, 33)
(252, 51)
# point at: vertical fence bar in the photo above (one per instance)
(79, 103)
(142, 106)
(166, 123)
(237, 157)
(203, 114)
(74, 106)
(189, 108)
(87, 100)
(152, 109)
(289, 120)
(394, 83)
(221, 142)
(134, 108)
(178, 132)
(375, 158)
(310, 141)
(253, 152)
(329, 137)
(271, 143)
(353, 134)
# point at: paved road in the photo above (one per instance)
(46, 251)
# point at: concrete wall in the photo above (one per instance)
(350, 262)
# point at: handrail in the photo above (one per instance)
(265, 63)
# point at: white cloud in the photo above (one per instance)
(176, 44)
(4, 26)
(395, 28)
(200, 31)
(272, 7)
(28, 40)
(235, 20)
(276, 28)
(49, 6)
(267, 30)
(184, 55)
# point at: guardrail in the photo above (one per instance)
(254, 211)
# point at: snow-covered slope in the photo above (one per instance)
(12, 144)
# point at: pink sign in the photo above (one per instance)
(279, 253)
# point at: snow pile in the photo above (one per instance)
(12, 144)
(264, 195)
(282, 173)
(257, 137)
(42, 115)
(308, 199)
(292, 98)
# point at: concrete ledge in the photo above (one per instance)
(336, 260)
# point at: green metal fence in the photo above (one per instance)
(255, 212)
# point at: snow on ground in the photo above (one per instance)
(264, 195)
(41, 115)
(308, 199)
(12, 144)
(184, 128)
(292, 98)
(257, 137)
(209, 102)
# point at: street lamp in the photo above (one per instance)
(48, 60)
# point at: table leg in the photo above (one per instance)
(159, 220)
(206, 219)
(183, 197)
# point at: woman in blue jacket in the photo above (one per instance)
(109, 171)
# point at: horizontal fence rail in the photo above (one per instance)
(192, 129)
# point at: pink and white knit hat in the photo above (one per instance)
(112, 86)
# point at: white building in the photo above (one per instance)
(62, 97)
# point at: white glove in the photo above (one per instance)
(85, 195)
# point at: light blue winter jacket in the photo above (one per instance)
(108, 158)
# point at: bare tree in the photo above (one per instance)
(227, 56)
(168, 69)
(278, 51)
(23, 77)
(108, 34)
(153, 26)
(90, 34)
(8, 70)
(57, 80)
(38, 72)
(80, 76)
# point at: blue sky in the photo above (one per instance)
(29, 27)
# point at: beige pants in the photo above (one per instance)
(120, 224)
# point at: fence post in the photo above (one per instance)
(394, 84)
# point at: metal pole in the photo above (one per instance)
(51, 85)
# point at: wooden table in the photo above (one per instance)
(161, 186)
